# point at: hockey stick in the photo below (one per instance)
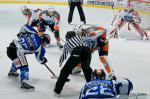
(118, 35)
(77, 27)
(54, 76)
(113, 20)
(129, 27)
(137, 94)
(115, 16)
(134, 95)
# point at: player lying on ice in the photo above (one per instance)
(100, 87)
(28, 42)
(95, 37)
(130, 16)
(42, 19)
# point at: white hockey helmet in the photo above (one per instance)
(124, 87)
(51, 9)
(81, 30)
(25, 10)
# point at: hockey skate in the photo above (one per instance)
(116, 35)
(145, 38)
(26, 86)
(59, 45)
(84, 22)
(13, 74)
(56, 95)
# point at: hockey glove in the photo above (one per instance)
(44, 61)
(18, 35)
(56, 28)
(22, 34)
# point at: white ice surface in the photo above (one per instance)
(129, 58)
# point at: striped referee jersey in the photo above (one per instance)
(72, 43)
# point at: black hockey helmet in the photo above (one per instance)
(45, 38)
(99, 74)
(70, 34)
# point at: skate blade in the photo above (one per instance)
(54, 77)
(27, 90)
(13, 77)
(76, 73)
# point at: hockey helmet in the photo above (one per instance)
(70, 34)
(45, 38)
(51, 10)
(124, 87)
(25, 10)
(98, 74)
(82, 32)
(129, 7)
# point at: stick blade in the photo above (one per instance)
(54, 77)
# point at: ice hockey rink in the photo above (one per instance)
(129, 58)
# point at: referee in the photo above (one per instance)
(78, 4)
(79, 53)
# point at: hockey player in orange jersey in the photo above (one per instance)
(95, 37)
(50, 18)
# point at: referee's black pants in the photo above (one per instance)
(79, 55)
(80, 10)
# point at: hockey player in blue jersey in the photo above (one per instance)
(28, 42)
(99, 87)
